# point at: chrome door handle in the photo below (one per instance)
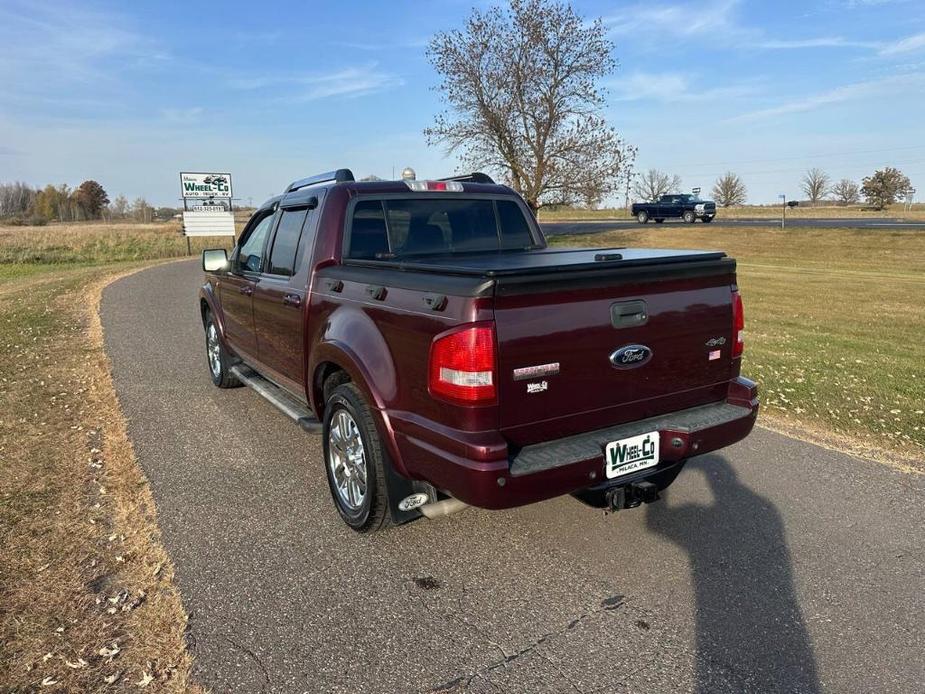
(293, 300)
(247, 290)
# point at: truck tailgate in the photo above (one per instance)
(560, 336)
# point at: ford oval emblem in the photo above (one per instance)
(630, 356)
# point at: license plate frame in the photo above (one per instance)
(631, 454)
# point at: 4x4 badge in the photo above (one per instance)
(716, 342)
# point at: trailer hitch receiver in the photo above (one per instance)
(631, 495)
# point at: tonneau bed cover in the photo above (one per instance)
(540, 261)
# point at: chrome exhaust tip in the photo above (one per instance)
(443, 508)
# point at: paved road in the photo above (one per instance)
(775, 566)
(876, 223)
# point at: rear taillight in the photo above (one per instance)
(738, 325)
(462, 365)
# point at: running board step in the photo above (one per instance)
(297, 411)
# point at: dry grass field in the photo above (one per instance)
(87, 599)
(822, 211)
(96, 243)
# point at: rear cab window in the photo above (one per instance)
(283, 257)
(395, 227)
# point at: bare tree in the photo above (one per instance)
(846, 191)
(119, 207)
(652, 184)
(16, 199)
(141, 210)
(815, 184)
(885, 186)
(729, 190)
(521, 86)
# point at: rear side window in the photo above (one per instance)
(368, 236)
(515, 232)
(398, 228)
(285, 242)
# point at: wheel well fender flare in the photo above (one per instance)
(208, 303)
(335, 355)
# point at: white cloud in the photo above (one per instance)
(348, 82)
(820, 42)
(382, 45)
(907, 45)
(715, 20)
(48, 45)
(676, 20)
(672, 87)
(843, 93)
(182, 115)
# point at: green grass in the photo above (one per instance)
(835, 321)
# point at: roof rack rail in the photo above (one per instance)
(338, 176)
(474, 177)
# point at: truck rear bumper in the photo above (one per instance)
(483, 472)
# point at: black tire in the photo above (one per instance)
(372, 512)
(217, 358)
(706, 220)
(642, 217)
(689, 216)
(659, 221)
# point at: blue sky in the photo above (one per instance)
(132, 93)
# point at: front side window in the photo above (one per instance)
(250, 257)
(402, 228)
(285, 242)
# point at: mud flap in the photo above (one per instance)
(398, 488)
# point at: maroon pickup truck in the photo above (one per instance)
(448, 357)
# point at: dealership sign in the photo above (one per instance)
(207, 204)
(205, 185)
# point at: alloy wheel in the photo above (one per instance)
(347, 460)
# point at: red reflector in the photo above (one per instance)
(738, 325)
(436, 185)
(462, 365)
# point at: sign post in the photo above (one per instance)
(207, 205)
(783, 209)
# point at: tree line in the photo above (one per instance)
(20, 203)
(880, 190)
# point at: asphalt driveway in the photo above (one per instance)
(774, 566)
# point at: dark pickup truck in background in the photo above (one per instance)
(684, 206)
(449, 358)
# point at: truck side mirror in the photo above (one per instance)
(215, 260)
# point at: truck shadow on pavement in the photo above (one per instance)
(750, 629)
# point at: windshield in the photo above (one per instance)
(407, 227)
